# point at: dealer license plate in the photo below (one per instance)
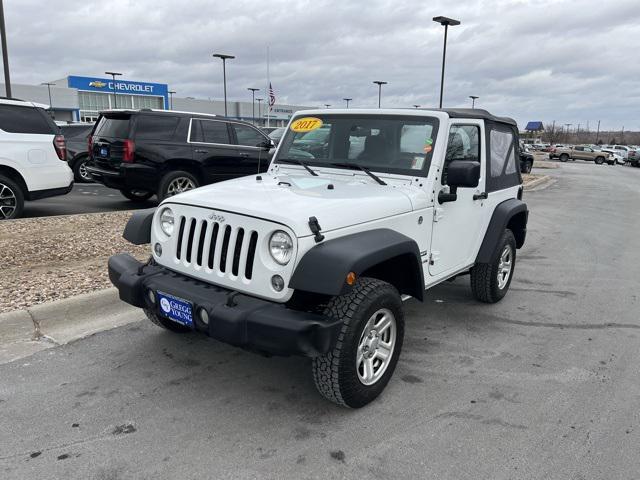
(176, 309)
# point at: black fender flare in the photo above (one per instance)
(138, 228)
(504, 213)
(324, 268)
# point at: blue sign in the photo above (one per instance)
(107, 85)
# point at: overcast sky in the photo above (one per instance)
(569, 61)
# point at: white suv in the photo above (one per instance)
(32, 157)
(315, 256)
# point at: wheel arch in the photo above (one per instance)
(512, 214)
(15, 175)
(382, 253)
(180, 164)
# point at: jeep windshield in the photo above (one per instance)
(382, 143)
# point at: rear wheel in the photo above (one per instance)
(176, 182)
(564, 157)
(11, 199)
(527, 167)
(362, 362)
(165, 322)
(490, 281)
(136, 195)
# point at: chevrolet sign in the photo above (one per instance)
(97, 84)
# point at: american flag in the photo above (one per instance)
(272, 96)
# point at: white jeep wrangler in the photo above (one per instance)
(315, 256)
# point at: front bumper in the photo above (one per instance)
(235, 318)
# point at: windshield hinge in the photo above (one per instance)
(315, 228)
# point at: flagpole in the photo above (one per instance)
(269, 91)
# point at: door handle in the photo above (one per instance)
(197, 150)
(481, 196)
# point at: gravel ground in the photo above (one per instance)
(45, 259)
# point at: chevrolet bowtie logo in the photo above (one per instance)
(97, 84)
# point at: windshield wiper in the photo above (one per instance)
(299, 162)
(360, 167)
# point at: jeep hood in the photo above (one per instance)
(292, 199)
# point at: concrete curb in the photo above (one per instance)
(539, 183)
(24, 332)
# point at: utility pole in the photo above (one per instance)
(598, 132)
(115, 98)
(553, 133)
(253, 103)
(5, 54)
(567, 133)
(622, 136)
(48, 84)
(445, 22)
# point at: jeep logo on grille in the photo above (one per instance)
(216, 218)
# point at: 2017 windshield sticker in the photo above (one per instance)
(306, 124)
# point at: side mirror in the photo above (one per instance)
(463, 173)
(267, 144)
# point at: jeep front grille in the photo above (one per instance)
(219, 247)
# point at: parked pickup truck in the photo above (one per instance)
(582, 153)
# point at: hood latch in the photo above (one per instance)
(315, 228)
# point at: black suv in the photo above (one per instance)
(147, 152)
(76, 135)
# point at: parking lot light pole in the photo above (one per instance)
(115, 98)
(347, 100)
(259, 100)
(171, 92)
(379, 83)
(253, 103)
(473, 100)
(48, 84)
(5, 54)
(327, 105)
(445, 22)
(416, 106)
(224, 59)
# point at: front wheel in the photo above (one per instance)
(362, 362)
(599, 160)
(136, 195)
(564, 157)
(11, 199)
(490, 281)
(80, 174)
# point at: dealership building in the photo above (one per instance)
(79, 99)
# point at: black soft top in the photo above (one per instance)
(475, 113)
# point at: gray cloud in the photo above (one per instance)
(571, 61)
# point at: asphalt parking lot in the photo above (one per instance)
(541, 385)
(84, 198)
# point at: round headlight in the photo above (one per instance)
(281, 247)
(166, 221)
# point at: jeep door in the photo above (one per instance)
(458, 226)
(213, 149)
(253, 149)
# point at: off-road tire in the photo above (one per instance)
(564, 157)
(599, 160)
(168, 178)
(138, 197)
(17, 199)
(165, 322)
(335, 373)
(484, 276)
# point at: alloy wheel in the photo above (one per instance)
(179, 185)
(376, 346)
(8, 202)
(84, 174)
(505, 266)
